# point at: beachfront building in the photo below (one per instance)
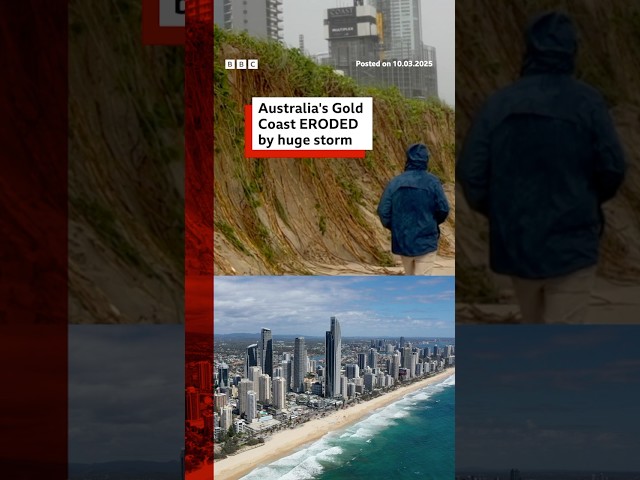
(252, 405)
(369, 381)
(264, 389)
(299, 364)
(226, 417)
(279, 393)
(244, 387)
(351, 390)
(333, 352)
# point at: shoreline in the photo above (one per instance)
(284, 443)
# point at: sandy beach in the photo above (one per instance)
(286, 442)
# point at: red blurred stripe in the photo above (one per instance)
(33, 240)
(199, 181)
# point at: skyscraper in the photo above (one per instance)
(362, 361)
(259, 18)
(287, 372)
(333, 351)
(223, 375)
(254, 374)
(252, 405)
(352, 370)
(226, 418)
(265, 351)
(402, 32)
(373, 358)
(251, 358)
(243, 388)
(264, 389)
(279, 393)
(299, 364)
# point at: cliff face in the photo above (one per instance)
(126, 169)
(307, 216)
(489, 49)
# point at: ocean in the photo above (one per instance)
(412, 438)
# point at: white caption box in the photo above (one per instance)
(327, 123)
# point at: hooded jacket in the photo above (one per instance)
(539, 160)
(413, 205)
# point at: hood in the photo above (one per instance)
(551, 45)
(417, 157)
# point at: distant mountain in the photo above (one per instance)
(126, 470)
(255, 336)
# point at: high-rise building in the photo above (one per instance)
(252, 405)
(351, 390)
(395, 366)
(287, 372)
(254, 374)
(352, 370)
(343, 386)
(223, 375)
(226, 418)
(362, 361)
(333, 352)
(402, 343)
(406, 357)
(279, 392)
(219, 401)
(243, 388)
(251, 358)
(369, 381)
(299, 364)
(373, 358)
(401, 28)
(259, 18)
(265, 351)
(264, 389)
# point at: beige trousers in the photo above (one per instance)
(555, 300)
(422, 265)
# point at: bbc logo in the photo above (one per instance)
(241, 64)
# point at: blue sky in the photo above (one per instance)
(385, 306)
(548, 397)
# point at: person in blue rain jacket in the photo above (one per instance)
(540, 159)
(412, 206)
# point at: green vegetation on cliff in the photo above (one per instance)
(311, 215)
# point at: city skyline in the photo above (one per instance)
(366, 306)
(438, 30)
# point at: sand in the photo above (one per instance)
(286, 442)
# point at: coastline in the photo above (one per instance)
(284, 443)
